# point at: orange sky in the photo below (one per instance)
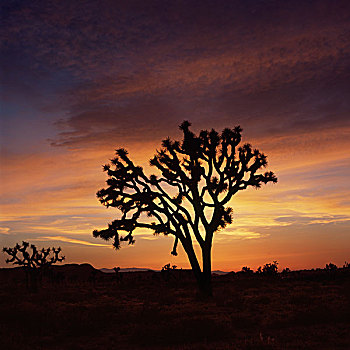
(79, 83)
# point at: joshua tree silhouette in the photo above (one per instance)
(118, 275)
(269, 269)
(33, 261)
(189, 200)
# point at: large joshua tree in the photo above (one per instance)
(189, 200)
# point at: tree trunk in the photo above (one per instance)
(203, 278)
(206, 279)
(193, 260)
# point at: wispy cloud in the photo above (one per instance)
(309, 220)
(71, 240)
(4, 230)
(238, 234)
(276, 58)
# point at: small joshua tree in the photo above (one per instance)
(118, 276)
(270, 269)
(167, 267)
(285, 271)
(199, 177)
(167, 272)
(247, 270)
(33, 261)
(331, 267)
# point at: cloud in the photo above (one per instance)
(238, 234)
(4, 230)
(146, 234)
(71, 240)
(133, 122)
(125, 74)
(309, 220)
(153, 66)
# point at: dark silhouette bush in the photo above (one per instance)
(167, 272)
(269, 269)
(117, 274)
(246, 270)
(285, 271)
(331, 267)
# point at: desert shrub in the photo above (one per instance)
(247, 270)
(270, 268)
(167, 272)
(167, 267)
(285, 271)
(331, 267)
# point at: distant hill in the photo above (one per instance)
(141, 269)
(87, 269)
(128, 269)
(71, 272)
(219, 272)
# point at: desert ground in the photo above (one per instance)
(78, 307)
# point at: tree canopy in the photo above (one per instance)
(36, 258)
(189, 199)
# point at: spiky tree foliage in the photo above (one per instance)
(189, 200)
(270, 268)
(19, 255)
(32, 259)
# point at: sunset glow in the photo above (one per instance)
(79, 81)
